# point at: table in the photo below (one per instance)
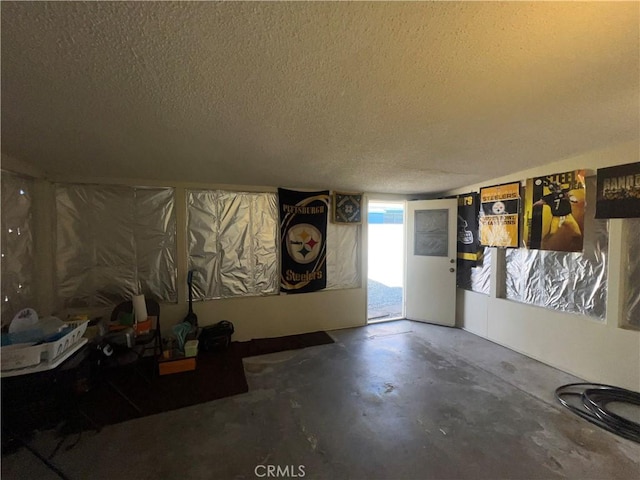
(41, 399)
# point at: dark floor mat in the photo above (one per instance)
(263, 346)
(122, 392)
(126, 393)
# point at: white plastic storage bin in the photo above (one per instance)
(27, 355)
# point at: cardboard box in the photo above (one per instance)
(143, 327)
(175, 362)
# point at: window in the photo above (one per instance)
(18, 289)
(233, 246)
(631, 312)
(113, 240)
(232, 243)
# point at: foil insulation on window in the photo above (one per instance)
(155, 241)
(564, 281)
(631, 315)
(111, 240)
(481, 274)
(478, 278)
(343, 254)
(18, 289)
(232, 240)
(233, 246)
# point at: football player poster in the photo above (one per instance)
(303, 234)
(618, 194)
(554, 212)
(499, 215)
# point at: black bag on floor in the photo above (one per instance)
(216, 337)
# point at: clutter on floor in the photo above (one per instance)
(394, 400)
(591, 402)
(111, 381)
(219, 373)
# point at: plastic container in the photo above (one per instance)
(58, 347)
(191, 348)
(20, 355)
(25, 355)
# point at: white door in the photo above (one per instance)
(430, 286)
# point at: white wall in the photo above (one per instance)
(274, 316)
(594, 350)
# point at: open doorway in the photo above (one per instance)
(385, 297)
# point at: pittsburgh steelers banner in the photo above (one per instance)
(499, 215)
(618, 191)
(554, 212)
(468, 241)
(303, 233)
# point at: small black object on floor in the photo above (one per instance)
(590, 401)
(217, 375)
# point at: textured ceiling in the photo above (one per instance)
(381, 97)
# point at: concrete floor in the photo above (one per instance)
(388, 401)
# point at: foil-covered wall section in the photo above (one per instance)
(233, 246)
(478, 278)
(155, 241)
(110, 239)
(202, 241)
(632, 295)
(232, 240)
(564, 281)
(481, 274)
(18, 289)
(343, 256)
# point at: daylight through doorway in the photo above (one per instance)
(385, 298)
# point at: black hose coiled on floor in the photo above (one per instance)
(593, 400)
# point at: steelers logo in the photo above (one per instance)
(303, 243)
(498, 208)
